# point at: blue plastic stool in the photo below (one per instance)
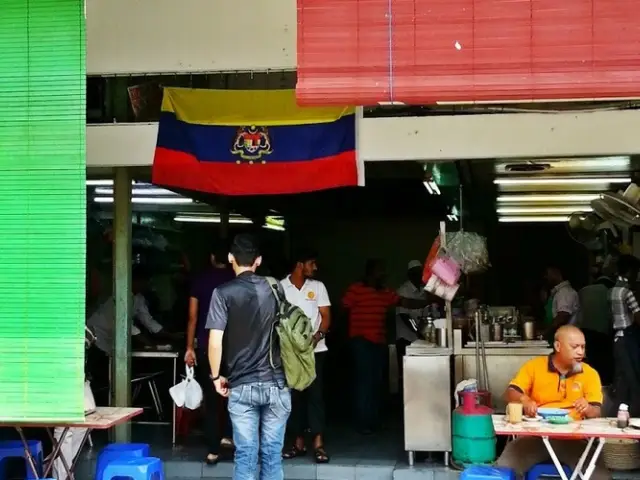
(546, 470)
(148, 468)
(15, 449)
(487, 472)
(117, 451)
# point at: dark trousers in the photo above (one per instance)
(599, 354)
(98, 369)
(308, 406)
(369, 360)
(626, 356)
(401, 350)
(215, 426)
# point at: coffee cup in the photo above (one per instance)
(514, 412)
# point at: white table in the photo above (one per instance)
(154, 353)
(102, 419)
(591, 430)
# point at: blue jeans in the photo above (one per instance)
(259, 413)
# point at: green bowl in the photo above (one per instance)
(560, 420)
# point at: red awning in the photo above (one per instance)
(424, 51)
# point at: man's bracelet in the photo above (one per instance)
(214, 378)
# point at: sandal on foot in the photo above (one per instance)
(294, 452)
(321, 455)
(226, 443)
(212, 459)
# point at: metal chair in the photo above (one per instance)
(150, 380)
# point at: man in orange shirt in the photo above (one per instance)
(367, 302)
(560, 380)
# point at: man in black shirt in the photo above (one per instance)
(241, 318)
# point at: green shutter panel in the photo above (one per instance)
(42, 209)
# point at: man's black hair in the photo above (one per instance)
(219, 249)
(245, 249)
(302, 255)
(371, 266)
(628, 264)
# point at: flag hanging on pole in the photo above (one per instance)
(253, 142)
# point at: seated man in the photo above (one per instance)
(560, 380)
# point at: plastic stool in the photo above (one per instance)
(15, 449)
(148, 468)
(487, 472)
(546, 470)
(117, 451)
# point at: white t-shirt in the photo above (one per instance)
(310, 298)
(409, 290)
(102, 321)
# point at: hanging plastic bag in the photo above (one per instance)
(446, 269)
(188, 392)
(469, 250)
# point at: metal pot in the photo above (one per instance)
(529, 330)
(496, 332)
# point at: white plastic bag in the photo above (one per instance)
(188, 392)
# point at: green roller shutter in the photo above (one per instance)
(42, 209)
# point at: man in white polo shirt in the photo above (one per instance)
(308, 406)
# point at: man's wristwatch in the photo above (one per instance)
(321, 334)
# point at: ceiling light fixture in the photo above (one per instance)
(149, 200)
(560, 197)
(534, 219)
(573, 163)
(561, 180)
(543, 210)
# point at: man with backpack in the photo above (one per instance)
(246, 312)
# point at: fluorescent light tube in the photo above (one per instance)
(559, 197)
(210, 219)
(278, 228)
(593, 162)
(543, 210)
(136, 191)
(149, 200)
(560, 180)
(96, 183)
(432, 187)
(534, 219)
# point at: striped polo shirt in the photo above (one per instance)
(368, 311)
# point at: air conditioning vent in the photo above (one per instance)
(527, 167)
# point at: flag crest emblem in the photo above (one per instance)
(252, 143)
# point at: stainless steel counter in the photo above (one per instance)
(502, 366)
(427, 400)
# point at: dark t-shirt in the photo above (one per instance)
(202, 290)
(245, 309)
